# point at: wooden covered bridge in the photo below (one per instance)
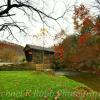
(38, 54)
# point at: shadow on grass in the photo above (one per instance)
(91, 80)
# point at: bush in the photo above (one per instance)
(57, 64)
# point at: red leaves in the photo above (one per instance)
(97, 27)
(80, 13)
(83, 38)
(87, 22)
(59, 52)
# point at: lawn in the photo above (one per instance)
(29, 85)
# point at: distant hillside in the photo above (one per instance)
(10, 52)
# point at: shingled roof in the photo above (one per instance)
(28, 47)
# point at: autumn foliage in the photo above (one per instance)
(59, 52)
(10, 52)
(83, 38)
(82, 50)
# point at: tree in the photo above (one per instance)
(8, 55)
(59, 37)
(84, 23)
(96, 28)
(80, 13)
(59, 52)
(32, 9)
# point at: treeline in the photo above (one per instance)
(10, 52)
(81, 51)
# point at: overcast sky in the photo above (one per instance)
(34, 27)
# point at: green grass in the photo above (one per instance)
(28, 85)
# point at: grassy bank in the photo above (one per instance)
(28, 85)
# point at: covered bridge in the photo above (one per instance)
(38, 54)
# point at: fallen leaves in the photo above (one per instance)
(57, 96)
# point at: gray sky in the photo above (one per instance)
(34, 27)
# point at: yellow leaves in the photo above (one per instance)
(44, 30)
(82, 92)
(43, 33)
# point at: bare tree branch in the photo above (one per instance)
(97, 5)
(5, 12)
